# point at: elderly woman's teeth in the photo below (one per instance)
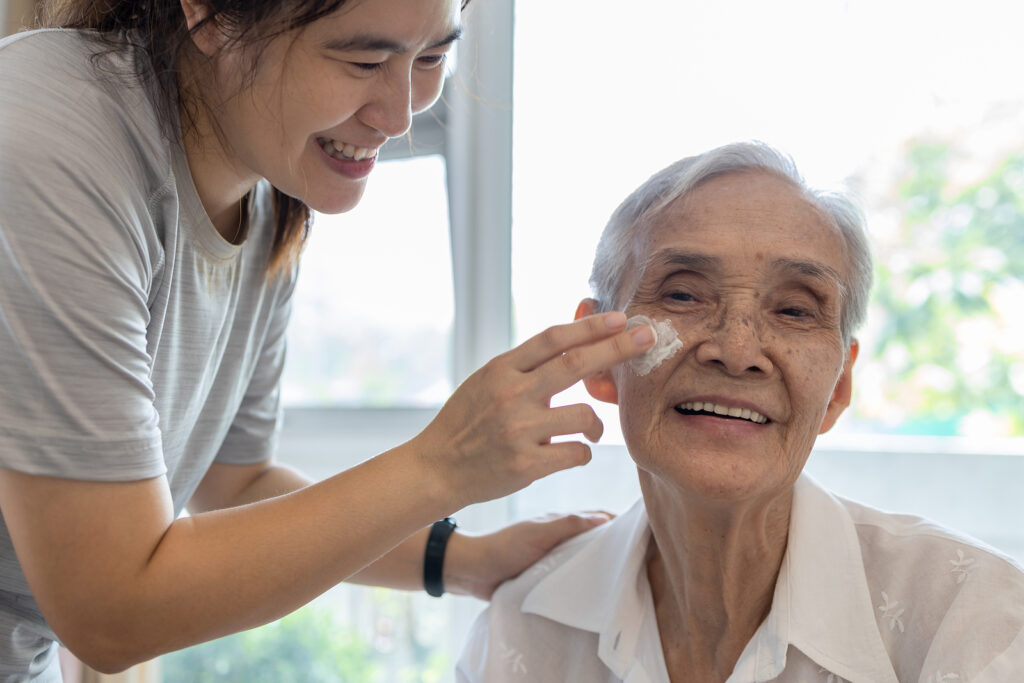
(344, 150)
(705, 407)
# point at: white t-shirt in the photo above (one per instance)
(862, 596)
(134, 340)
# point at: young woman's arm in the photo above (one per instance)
(475, 564)
(120, 580)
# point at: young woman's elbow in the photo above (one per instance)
(105, 650)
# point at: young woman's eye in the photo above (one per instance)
(368, 66)
(432, 61)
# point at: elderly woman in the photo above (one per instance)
(735, 566)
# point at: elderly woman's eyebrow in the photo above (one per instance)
(684, 260)
(811, 269)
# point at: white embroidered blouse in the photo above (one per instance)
(863, 596)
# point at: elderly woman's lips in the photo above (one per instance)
(718, 410)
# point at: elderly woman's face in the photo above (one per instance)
(749, 273)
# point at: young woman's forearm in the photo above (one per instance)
(124, 592)
(225, 571)
(233, 485)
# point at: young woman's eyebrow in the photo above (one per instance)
(370, 43)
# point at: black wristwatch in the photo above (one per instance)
(433, 559)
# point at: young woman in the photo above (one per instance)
(158, 165)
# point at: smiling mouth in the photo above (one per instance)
(346, 151)
(717, 410)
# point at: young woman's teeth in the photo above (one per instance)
(343, 150)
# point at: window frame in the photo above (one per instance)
(471, 127)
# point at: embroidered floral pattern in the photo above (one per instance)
(891, 613)
(940, 677)
(514, 659)
(545, 564)
(831, 677)
(962, 566)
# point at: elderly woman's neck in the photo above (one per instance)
(712, 568)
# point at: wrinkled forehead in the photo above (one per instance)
(739, 216)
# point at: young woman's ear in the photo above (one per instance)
(602, 385)
(208, 38)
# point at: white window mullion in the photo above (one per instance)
(479, 158)
(479, 164)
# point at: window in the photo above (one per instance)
(373, 306)
(376, 346)
(914, 104)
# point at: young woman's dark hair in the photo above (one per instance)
(157, 30)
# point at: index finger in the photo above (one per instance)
(556, 340)
(580, 362)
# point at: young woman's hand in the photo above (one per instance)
(493, 436)
(476, 564)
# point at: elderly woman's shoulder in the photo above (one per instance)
(513, 592)
(909, 543)
(948, 590)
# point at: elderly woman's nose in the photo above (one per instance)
(734, 342)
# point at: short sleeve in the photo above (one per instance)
(76, 265)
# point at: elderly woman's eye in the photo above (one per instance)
(681, 296)
(794, 312)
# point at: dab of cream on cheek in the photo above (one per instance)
(666, 344)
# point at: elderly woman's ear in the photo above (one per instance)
(602, 385)
(844, 387)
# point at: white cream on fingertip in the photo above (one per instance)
(666, 344)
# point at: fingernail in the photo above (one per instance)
(643, 335)
(615, 320)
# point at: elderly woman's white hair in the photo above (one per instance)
(617, 255)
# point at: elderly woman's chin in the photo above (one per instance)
(710, 458)
(714, 475)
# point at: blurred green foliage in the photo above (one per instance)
(317, 644)
(307, 645)
(950, 289)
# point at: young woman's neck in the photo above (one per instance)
(221, 180)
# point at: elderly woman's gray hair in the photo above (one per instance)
(617, 255)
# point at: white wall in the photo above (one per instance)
(13, 14)
(3, 17)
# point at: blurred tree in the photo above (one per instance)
(951, 295)
(319, 644)
(308, 645)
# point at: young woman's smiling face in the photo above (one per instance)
(751, 276)
(327, 96)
